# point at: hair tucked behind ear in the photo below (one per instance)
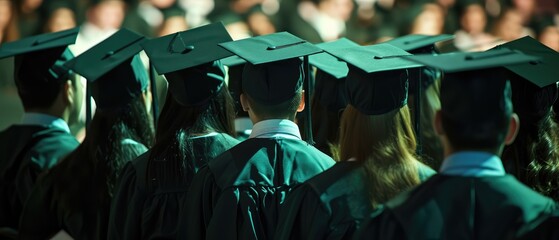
(386, 145)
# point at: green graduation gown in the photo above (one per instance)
(330, 205)
(239, 194)
(70, 197)
(26, 151)
(142, 210)
(451, 207)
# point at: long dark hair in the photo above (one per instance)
(99, 159)
(535, 155)
(177, 124)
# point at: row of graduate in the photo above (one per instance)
(198, 182)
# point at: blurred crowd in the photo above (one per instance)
(478, 24)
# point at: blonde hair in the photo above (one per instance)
(386, 146)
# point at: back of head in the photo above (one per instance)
(274, 88)
(476, 108)
(39, 76)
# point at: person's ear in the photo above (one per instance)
(514, 126)
(244, 102)
(302, 103)
(438, 124)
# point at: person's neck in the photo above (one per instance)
(450, 151)
(49, 111)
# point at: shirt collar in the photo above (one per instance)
(275, 128)
(46, 120)
(473, 164)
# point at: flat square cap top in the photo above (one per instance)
(375, 58)
(271, 48)
(188, 48)
(39, 42)
(233, 61)
(416, 41)
(461, 62)
(543, 72)
(107, 55)
(328, 63)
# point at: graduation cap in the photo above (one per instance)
(417, 43)
(534, 88)
(187, 61)
(475, 86)
(330, 75)
(114, 69)
(39, 60)
(274, 73)
(377, 81)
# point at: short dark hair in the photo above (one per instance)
(276, 111)
(476, 108)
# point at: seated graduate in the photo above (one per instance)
(424, 95)
(239, 193)
(472, 197)
(51, 97)
(75, 195)
(328, 99)
(194, 126)
(377, 148)
(534, 156)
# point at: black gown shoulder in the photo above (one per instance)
(25, 152)
(328, 206)
(239, 194)
(139, 211)
(449, 207)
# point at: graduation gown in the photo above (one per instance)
(239, 194)
(68, 197)
(451, 207)
(139, 211)
(25, 151)
(330, 205)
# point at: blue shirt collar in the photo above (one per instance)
(275, 128)
(46, 120)
(473, 164)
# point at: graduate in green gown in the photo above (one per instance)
(239, 193)
(75, 196)
(51, 96)
(195, 126)
(377, 150)
(472, 197)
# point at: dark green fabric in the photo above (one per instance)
(83, 214)
(25, 152)
(140, 212)
(447, 207)
(329, 206)
(239, 194)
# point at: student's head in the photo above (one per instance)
(45, 85)
(273, 90)
(476, 111)
(376, 121)
(198, 102)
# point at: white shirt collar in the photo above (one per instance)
(44, 120)
(276, 128)
(473, 164)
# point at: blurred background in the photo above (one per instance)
(477, 24)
